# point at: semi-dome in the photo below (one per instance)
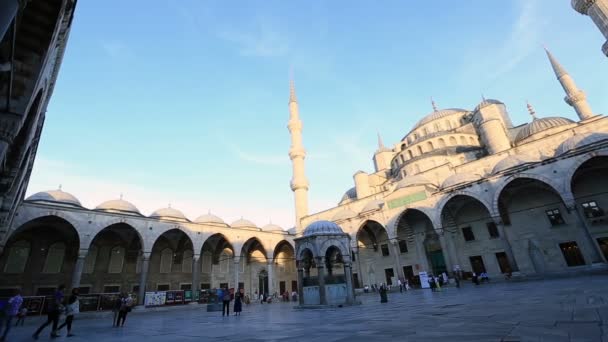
(459, 178)
(487, 102)
(210, 218)
(273, 228)
(344, 215)
(539, 125)
(514, 161)
(413, 181)
(118, 206)
(168, 213)
(321, 228)
(243, 223)
(350, 194)
(438, 114)
(373, 205)
(55, 197)
(578, 141)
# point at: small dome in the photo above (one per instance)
(511, 162)
(373, 205)
(118, 206)
(210, 218)
(292, 230)
(438, 115)
(578, 141)
(487, 102)
(350, 194)
(413, 181)
(55, 197)
(243, 223)
(539, 125)
(168, 213)
(272, 228)
(321, 228)
(344, 215)
(459, 178)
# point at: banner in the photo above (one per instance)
(156, 298)
(424, 280)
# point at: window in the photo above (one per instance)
(17, 257)
(467, 232)
(402, 147)
(185, 287)
(429, 146)
(572, 254)
(111, 288)
(441, 142)
(555, 217)
(205, 286)
(117, 256)
(402, 246)
(384, 249)
(390, 274)
(54, 258)
(166, 258)
(162, 287)
(437, 127)
(352, 256)
(89, 261)
(503, 262)
(426, 131)
(410, 154)
(453, 141)
(187, 262)
(472, 140)
(592, 210)
(492, 230)
(463, 140)
(477, 264)
(419, 148)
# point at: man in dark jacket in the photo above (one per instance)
(54, 310)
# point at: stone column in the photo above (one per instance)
(447, 256)
(143, 277)
(77, 274)
(236, 272)
(196, 273)
(396, 253)
(301, 286)
(321, 277)
(595, 252)
(509, 250)
(8, 11)
(421, 252)
(270, 277)
(348, 274)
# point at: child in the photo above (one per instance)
(21, 316)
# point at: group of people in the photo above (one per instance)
(286, 296)
(482, 277)
(122, 306)
(226, 297)
(10, 310)
(57, 306)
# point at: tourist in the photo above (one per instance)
(116, 310)
(400, 285)
(72, 308)
(484, 277)
(11, 310)
(125, 307)
(55, 307)
(294, 296)
(438, 282)
(226, 302)
(21, 316)
(475, 278)
(238, 305)
(383, 296)
(446, 280)
(457, 279)
(432, 283)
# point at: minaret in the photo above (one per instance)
(299, 184)
(598, 11)
(574, 96)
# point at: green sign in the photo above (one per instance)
(405, 200)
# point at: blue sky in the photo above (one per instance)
(185, 102)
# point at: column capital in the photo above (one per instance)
(146, 255)
(82, 253)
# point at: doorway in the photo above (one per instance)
(477, 264)
(503, 262)
(263, 282)
(389, 273)
(572, 254)
(603, 242)
(281, 287)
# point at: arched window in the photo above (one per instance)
(453, 141)
(463, 140)
(402, 147)
(117, 258)
(437, 127)
(448, 125)
(410, 154)
(17, 257)
(415, 136)
(426, 131)
(429, 146)
(441, 142)
(89, 261)
(187, 262)
(166, 259)
(206, 260)
(472, 140)
(54, 258)
(419, 148)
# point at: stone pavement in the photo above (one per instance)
(572, 309)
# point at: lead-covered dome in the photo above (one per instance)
(168, 213)
(512, 162)
(460, 178)
(273, 228)
(243, 223)
(438, 114)
(539, 125)
(209, 218)
(322, 228)
(350, 194)
(578, 141)
(487, 102)
(119, 206)
(55, 197)
(413, 181)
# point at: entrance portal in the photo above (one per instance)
(263, 282)
(434, 253)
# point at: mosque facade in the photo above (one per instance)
(466, 190)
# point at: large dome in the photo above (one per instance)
(322, 228)
(579, 140)
(487, 102)
(438, 114)
(514, 161)
(539, 125)
(55, 197)
(413, 181)
(210, 218)
(273, 228)
(243, 223)
(118, 206)
(459, 178)
(350, 194)
(168, 213)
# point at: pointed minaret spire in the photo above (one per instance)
(60, 187)
(531, 110)
(433, 104)
(380, 143)
(297, 153)
(574, 96)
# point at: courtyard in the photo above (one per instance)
(570, 309)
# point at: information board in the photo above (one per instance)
(424, 280)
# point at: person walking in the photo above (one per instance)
(72, 309)
(125, 308)
(238, 303)
(55, 308)
(11, 310)
(21, 316)
(226, 302)
(116, 310)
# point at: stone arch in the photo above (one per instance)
(334, 243)
(429, 146)
(215, 244)
(453, 141)
(419, 149)
(306, 246)
(137, 226)
(569, 177)
(444, 200)
(403, 146)
(393, 223)
(373, 229)
(463, 140)
(441, 143)
(113, 224)
(25, 218)
(252, 244)
(282, 244)
(410, 154)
